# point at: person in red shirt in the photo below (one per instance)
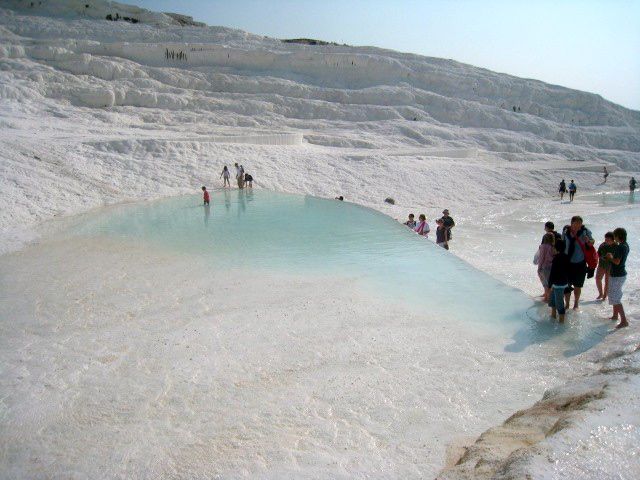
(205, 195)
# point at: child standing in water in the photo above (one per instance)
(225, 176)
(205, 195)
(558, 280)
(604, 265)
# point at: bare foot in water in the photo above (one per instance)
(622, 325)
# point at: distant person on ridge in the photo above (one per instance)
(448, 223)
(411, 223)
(632, 185)
(572, 190)
(606, 174)
(205, 195)
(341, 198)
(225, 175)
(562, 189)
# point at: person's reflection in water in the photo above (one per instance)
(242, 204)
(227, 200)
(249, 194)
(207, 214)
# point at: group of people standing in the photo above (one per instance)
(242, 177)
(572, 188)
(443, 229)
(565, 260)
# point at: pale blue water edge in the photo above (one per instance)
(263, 231)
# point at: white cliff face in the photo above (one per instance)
(96, 112)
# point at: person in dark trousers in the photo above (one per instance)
(618, 260)
(448, 223)
(572, 190)
(558, 281)
(205, 195)
(576, 237)
(562, 189)
(632, 185)
(605, 173)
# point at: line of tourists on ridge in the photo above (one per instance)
(573, 188)
(242, 178)
(565, 260)
(443, 228)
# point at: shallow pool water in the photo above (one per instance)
(267, 231)
(262, 231)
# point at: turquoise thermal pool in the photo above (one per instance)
(263, 231)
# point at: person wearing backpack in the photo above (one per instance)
(579, 248)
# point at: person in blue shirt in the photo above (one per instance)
(572, 190)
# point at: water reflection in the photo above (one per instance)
(207, 214)
(227, 200)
